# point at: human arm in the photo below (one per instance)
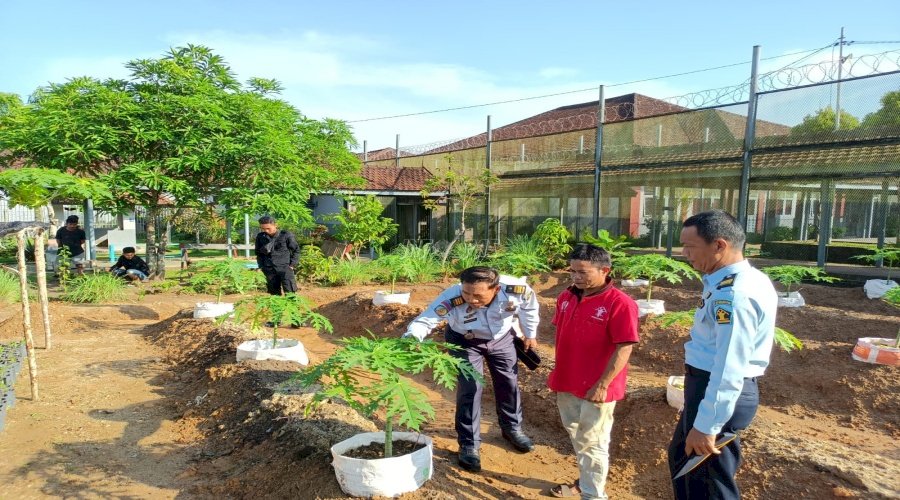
(529, 317)
(438, 310)
(117, 265)
(618, 361)
(259, 245)
(142, 266)
(622, 330)
(294, 249)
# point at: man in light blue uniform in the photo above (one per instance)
(480, 312)
(732, 337)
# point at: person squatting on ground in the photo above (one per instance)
(130, 266)
(596, 327)
(480, 311)
(277, 254)
(731, 340)
(72, 237)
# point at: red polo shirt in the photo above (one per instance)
(587, 331)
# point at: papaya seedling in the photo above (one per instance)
(790, 275)
(368, 373)
(654, 267)
(225, 276)
(890, 258)
(893, 297)
(614, 246)
(277, 310)
(784, 339)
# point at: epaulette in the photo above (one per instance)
(519, 289)
(726, 281)
(457, 301)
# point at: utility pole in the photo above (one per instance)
(837, 99)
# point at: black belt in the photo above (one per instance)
(696, 372)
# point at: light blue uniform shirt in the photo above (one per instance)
(732, 337)
(489, 322)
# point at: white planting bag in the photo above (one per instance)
(387, 477)
(212, 309)
(636, 282)
(652, 306)
(284, 350)
(791, 299)
(875, 289)
(382, 298)
(675, 392)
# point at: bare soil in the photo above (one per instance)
(139, 400)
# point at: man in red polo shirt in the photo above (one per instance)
(596, 327)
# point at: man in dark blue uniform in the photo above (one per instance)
(480, 312)
(731, 340)
(277, 254)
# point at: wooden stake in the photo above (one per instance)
(41, 265)
(26, 315)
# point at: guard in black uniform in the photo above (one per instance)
(277, 254)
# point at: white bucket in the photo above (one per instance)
(382, 298)
(675, 394)
(652, 306)
(875, 289)
(212, 309)
(636, 282)
(387, 477)
(791, 299)
(284, 350)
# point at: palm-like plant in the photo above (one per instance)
(789, 275)
(654, 267)
(367, 374)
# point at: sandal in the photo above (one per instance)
(566, 491)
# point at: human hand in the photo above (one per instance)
(700, 444)
(530, 344)
(596, 394)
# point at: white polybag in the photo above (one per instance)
(875, 289)
(384, 476)
(284, 350)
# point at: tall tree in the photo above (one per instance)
(823, 122)
(183, 132)
(888, 115)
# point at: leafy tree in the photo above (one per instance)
(182, 131)
(888, 115)
(38, 187)
(9, 103)
(361, 223)
(463, 190)
(823, 122)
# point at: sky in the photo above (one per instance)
(358, 60)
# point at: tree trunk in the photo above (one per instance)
(161, 254)
(150, 227)
(41, 266)
(461, 232)
(51, 218)
(26, 315)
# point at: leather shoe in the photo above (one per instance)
(519, 440)
(469, 459)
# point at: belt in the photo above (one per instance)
(696, 372)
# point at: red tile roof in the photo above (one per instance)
(411, 179)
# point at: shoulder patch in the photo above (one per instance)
(457, 301)
(519, 289)
(441, 310)
(723, 315)
(727, 281)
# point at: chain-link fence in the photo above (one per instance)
(822, 165)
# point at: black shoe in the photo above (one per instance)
(519, 440)
(469, 459)
(269, 324)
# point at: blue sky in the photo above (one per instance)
(364, 59)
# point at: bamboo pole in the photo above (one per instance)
(40, 262)
(26, 314)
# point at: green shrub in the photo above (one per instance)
(9, 287)
(782, 233)
(521, 256)
(465, 255)
(314, 266)
(351, 272)
(93, 288)
(419, 263)
(553, 239)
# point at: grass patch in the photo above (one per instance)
(93, 288)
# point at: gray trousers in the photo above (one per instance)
(500, 355)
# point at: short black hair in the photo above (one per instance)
(266, 219)
(715, 224)
(72, 219)
(597, 256)
(480, 274)
(128, 250)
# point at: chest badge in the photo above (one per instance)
(600, 313)
(510, 306)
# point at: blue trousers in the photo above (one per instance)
(714, 478)
(502, 362)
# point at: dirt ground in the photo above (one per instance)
(138, 400)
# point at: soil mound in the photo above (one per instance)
(352, 316)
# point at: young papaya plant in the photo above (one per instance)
(890, 258)
(784, 339)
(225, 276)
(277, 310)
(614, 246)
(653, 267)
(368, 373)
(790, 275)
(893, 297)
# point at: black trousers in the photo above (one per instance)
(279, 278)
(714, 478)
(502, 362)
